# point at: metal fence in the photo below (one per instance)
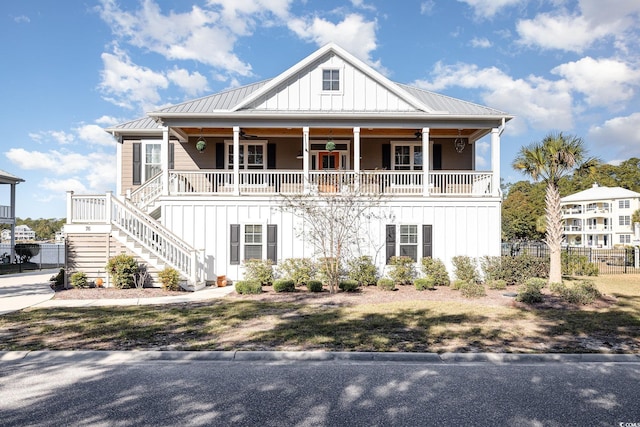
(609, 261)
(49, 255)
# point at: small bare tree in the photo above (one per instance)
(334, 223)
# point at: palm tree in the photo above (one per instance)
(556, 156)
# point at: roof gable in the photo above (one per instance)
(600, 193)
(362, 88)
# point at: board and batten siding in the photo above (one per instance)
(358, 92)
(458, 228)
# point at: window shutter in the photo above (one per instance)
(437, 157)
(386, 156)
(271, 157)
(234, 239)
(137, 163)
(219, 155)
(272, 242)
(391, 241)
(171, 155)
(427, 246)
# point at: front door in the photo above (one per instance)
(328, 160)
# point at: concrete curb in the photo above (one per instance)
(110, 357)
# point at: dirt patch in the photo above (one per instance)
(112, 293)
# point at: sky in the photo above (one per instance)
(69, 69)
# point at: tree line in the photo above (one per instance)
(523, 208)
(45, 228)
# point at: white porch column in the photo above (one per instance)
(119, 169)
(236, 160)
(356, 156)
(305, 158)
(13, 222)
(425, 162)
(495, 161)
(164, 160)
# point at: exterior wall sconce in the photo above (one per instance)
(459, 143)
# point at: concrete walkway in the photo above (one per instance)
(19, 291)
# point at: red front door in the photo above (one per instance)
(328, 161)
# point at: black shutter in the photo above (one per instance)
(172, 155)
(427, 246)
(272, 243)
(437, 157)
(137, 163)
(219, 155)
(271, 157)
(391, 241)
(234, 239)
(386, 156)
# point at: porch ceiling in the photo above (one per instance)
(262, 132)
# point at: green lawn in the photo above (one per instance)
(424, 326)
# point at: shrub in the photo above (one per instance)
(284, 285)
(300, 270)
(464, 268)
(531, 291)
(515, 270)
(573, 264)
(362, 270)
(402, 270)
(456, 285)
(169, 278)
(314, 286)
(26, 251)
(472, 290)
(435, 268)
(558, 288)
(349, 285)
(79, 280)
(258, 270)
(386, 284)
(58, 279)
(248, 287)
(497, 284)
(583, 292)
(122, 268)
(425, 283)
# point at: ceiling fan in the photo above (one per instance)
(244, 135)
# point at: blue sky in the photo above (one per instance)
(71, 68)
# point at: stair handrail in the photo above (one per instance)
(156, 238)
(148, 192)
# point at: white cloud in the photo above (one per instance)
(353, 33)
(200, 35)
(538, 103)
(192, 83)
(426, 7)
(22, 19)
(108, 120)
(603, 81)
(578, 30)
(618, 136)
(489, 8)
(126, 84)
(58, 187)
(482, 154)
(60, 162)
(95, 135)
(58, 136)
(482, 42)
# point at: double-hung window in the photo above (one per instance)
(623, 204)
(151, 160)
(408, 244)
(253, 241)
(624, 220)
(331, 80)
(625, 238)
(251, 156)
(407, 157)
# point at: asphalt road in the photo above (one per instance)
(104, 389)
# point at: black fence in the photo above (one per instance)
(608, 261)
(31, 256)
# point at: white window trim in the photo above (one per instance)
(245, 143)
(345, 155)
(412, 146)
(340, 68)
(242, 239)
(625, 202)
(143, 160)
(418, 243)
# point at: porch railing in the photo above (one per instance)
(5, 212)
(391, 183)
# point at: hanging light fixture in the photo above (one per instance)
(459, 143)
(201, 143)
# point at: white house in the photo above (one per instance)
(198, 183)
(8, 211)
(22, 233)
(600, 217)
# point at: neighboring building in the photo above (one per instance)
(198, 182)
(8, 212)
(22, 233)
(600, 217)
